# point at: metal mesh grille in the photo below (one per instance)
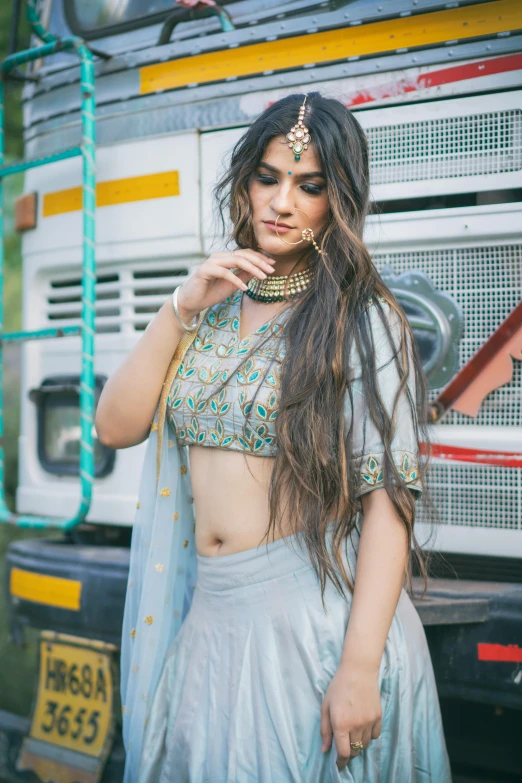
(150, 289)
(487, 284)
(476, 496)
(126, 301)
(486, 143)
(63, 302)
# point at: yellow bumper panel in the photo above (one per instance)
(42, 589)
(360, 41)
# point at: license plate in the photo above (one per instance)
(73, 715)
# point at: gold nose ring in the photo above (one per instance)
(307, 234)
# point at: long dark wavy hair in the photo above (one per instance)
(314, 470)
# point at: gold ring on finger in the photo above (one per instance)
(358, 745)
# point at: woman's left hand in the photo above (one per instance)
(351, 710)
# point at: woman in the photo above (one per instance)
(250, 651)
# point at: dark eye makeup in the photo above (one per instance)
(312, 190)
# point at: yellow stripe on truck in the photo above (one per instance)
(114, 191)
(359, 41)
(43, 589)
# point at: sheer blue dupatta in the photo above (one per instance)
(162, 572)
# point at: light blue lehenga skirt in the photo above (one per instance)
(240, 695)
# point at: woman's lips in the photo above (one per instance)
(281, 229)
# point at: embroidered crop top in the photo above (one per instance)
(201, 414)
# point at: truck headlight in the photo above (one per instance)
(58, 415)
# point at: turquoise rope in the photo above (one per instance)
(88, 152)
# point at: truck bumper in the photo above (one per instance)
(13, 729)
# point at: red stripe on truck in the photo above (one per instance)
(437, 78)
(511, 653)
(503, 459)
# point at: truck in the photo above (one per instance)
(131, 108)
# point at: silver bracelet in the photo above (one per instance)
(195, 320)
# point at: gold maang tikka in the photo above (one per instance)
(299, 137)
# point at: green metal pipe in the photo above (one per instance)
(25, 165)
(88, 285)
(88, 152)
(4, 510)
(37, 27)
(41, 334)
(28, 55)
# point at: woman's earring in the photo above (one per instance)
(307, 233)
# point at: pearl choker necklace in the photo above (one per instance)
(272, 289)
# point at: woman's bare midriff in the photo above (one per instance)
(231, 501)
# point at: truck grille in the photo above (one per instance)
(430, 149)
(64, 302)
(487, 284)
(477, 495)
(125, 301)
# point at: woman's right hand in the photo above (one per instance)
(213, 281)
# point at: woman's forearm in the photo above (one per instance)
(127, 403)
(381, 562)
